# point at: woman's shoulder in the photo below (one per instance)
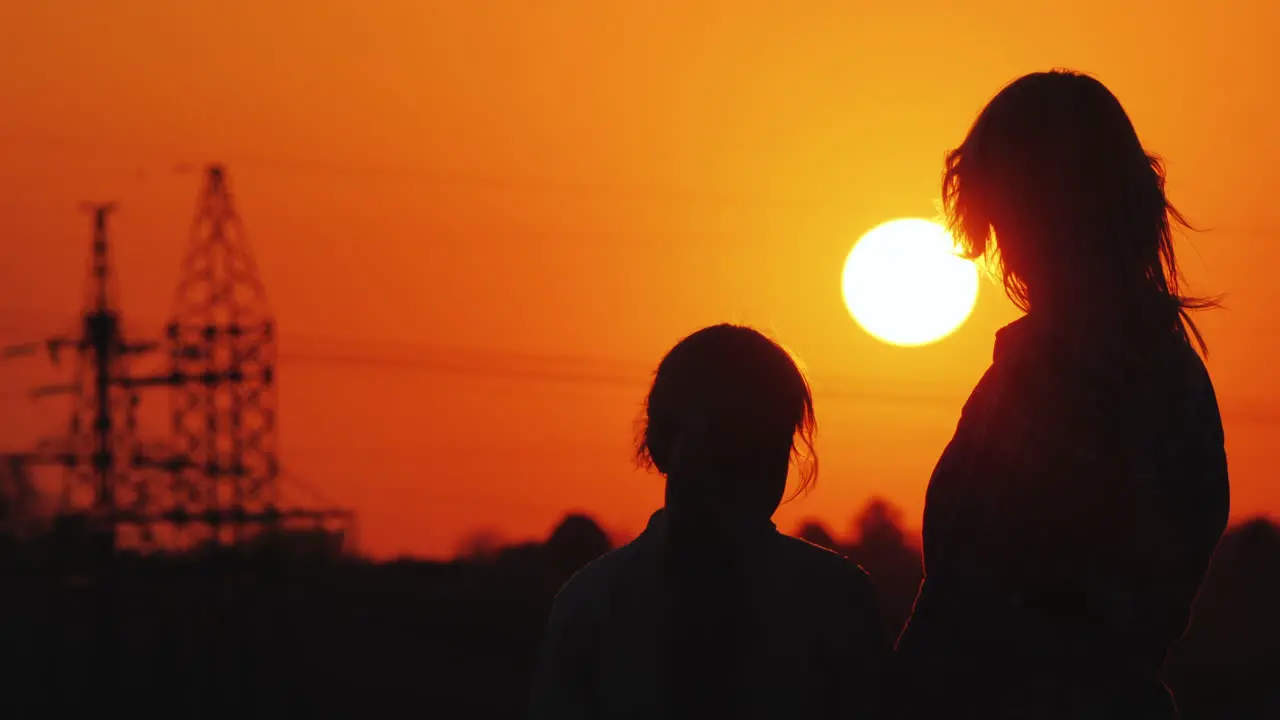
(1052, 390)
(1038, 359)
(1024, 375)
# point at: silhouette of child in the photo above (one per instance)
(1069, 523)
(711, 612)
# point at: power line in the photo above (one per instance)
(439, 177)
(41, 319)
(445, 365)
(606, 372)
(635, 381)
(531, 184)
(1253, 417)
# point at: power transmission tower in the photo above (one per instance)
(99, 452)
(222, 346)
(103, 430)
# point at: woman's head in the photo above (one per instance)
(727, 412)
(1053, 181)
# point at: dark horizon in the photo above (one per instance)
(280, 629)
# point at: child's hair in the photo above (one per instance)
(732, 397)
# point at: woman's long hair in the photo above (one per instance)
(727, 414)
(1052, 182)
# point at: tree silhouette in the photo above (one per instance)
(893, 563)
(576, 541)
(878, 528)
(1226, 664)
(816, 532)
(481, 546)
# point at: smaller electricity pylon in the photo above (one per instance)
(99, 487)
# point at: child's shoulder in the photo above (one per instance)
(625, 565)
(821, 562)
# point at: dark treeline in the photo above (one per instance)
(288, 628)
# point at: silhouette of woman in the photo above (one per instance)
(711, 612)
(1070, 521)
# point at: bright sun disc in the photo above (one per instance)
(905, 283)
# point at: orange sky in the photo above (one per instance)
(565, 188)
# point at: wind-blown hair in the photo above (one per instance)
(1053, 184)
(732, 398)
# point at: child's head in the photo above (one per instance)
(727, 411)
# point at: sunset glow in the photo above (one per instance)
(481, 225)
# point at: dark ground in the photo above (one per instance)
(284, 632)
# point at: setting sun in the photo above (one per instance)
(905, 285)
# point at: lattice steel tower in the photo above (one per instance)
(102, 439)
(103, 423)
(100, 451)
(222, 344)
